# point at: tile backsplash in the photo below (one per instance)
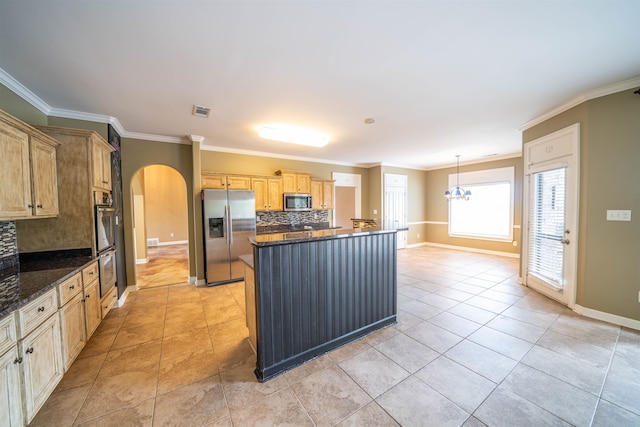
(8, 239)
(265, 219)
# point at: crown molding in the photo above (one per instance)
(156, 138)
(477, 161)
(596, 93)
(19, 89)
(278, 156)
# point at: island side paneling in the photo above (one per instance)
(314, 296)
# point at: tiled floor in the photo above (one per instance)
(167, 265)
(471, 347)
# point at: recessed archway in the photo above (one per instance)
(160, 226)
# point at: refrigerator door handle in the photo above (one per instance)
(226, 223)
(230, 225)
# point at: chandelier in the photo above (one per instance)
(457, 192)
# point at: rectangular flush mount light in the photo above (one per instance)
(293, 135)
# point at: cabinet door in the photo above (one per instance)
(250, 305)
(303, 183)
(106, 169)
(289, 183)
(316, 195)
(72, 326)
(275, 194)
(10, 394)
(214, 181)
(327, 194)
(97, 163)
(15, 199)
(261, 190)
(93, 313)
(239, 183)
(42, 364)
(45, 178)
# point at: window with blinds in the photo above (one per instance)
(547, 226)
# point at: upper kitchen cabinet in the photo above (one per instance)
(295, 182)
(268, 193)
(101, 162)
(226, 182)
(28, 173)
(322, 194)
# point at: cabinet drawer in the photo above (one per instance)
(90, 273)
(36, 312)
(69, 288)
(8, 336)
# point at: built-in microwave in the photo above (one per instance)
(297, 202)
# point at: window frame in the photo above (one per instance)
(485, 177)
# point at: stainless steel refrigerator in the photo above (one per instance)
(229, 220)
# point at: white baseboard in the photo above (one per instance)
(465, 248)
(607, 317)
(192, 279)
(142, 260)
(124, 295)
(200, 282)
(174, 242)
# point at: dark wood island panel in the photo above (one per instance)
(318, 292)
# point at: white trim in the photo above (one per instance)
(154, 137)
(174, 242)
(607, 317)
(142, 260)
(349, 180)
(477, 161)
(516, 225)
(520, 281)
(191, 279)
(19, 89)
(124, 295)
(477, 250)
(278, 156)
(200, 282)
(427, 222)
(596, 93)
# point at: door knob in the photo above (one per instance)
(565, 242)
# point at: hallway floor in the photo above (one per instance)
(471, 347)
(168, 265)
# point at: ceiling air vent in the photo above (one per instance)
(200, 111)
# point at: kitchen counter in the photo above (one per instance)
(35, 274)
(299, 236)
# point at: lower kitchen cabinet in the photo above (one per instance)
(42, 367)
(72, 326)
(250, 304)
(108, 302)
(92, 310)
(10, 393)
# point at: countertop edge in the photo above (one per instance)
(317, 235)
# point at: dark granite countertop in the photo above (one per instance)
(286, 228)
(305, 236)
(247, 259)
(36, 274)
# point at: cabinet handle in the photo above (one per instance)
(91, 273)
(30, 350)
(72, 287)
(40, 309)
(30, 206)
(87, 297)
(18, 360)
(39, 206)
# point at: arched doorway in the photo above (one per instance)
(160, 226)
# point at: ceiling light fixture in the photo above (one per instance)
(293, 135)
(457, 192)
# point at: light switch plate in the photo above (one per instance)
(618, 215)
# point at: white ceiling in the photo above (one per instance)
(440, 77)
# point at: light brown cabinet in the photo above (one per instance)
(28, 171)
(41, 351)
(295, 182)
(250, 305)
(92, 309)
(10, 393)
(108, 302)
(268, 192)
(101, 164)
(72, 322)
(322, 194)
(228, 182)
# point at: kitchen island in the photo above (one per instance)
(314, 291)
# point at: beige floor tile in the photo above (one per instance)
(503, 297)
(242, 388)
(454, 294)
(456, 324)
(193, 341)
(565, 344)
(232, 355)
(536, 318)
(487, 304)
(373, 372)
(500, 342)
(196, 404)
(99, 344)
(143, 357)
(488, 363)
(628, 344)
(524, 331)
(179, 323)
(61, 409)
(281, 409)
(380, 335)
(82, 372)
(439, 301)
(330, 396)
(301, 372)
(141, 317)
(370, 415)
(419, 309)
(406, 320)
(433, 336)
(139, 415)
(407, 352)
(570, 403)
(224, 314)
(622, 386)
(468, 390)
(475, 314)
(185, 369)
(609, 414)
(589, 330)
(348, 350)
(413, 403)
(135, 336)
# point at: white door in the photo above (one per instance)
(550, 235)
(395, 204)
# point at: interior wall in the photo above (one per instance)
(608, 251)
(19, 108)
(137, 154)
(437, 207)
(165, 197)
(140, 232)
(345, 203)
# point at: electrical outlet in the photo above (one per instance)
(638, 296)
(515, 243)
